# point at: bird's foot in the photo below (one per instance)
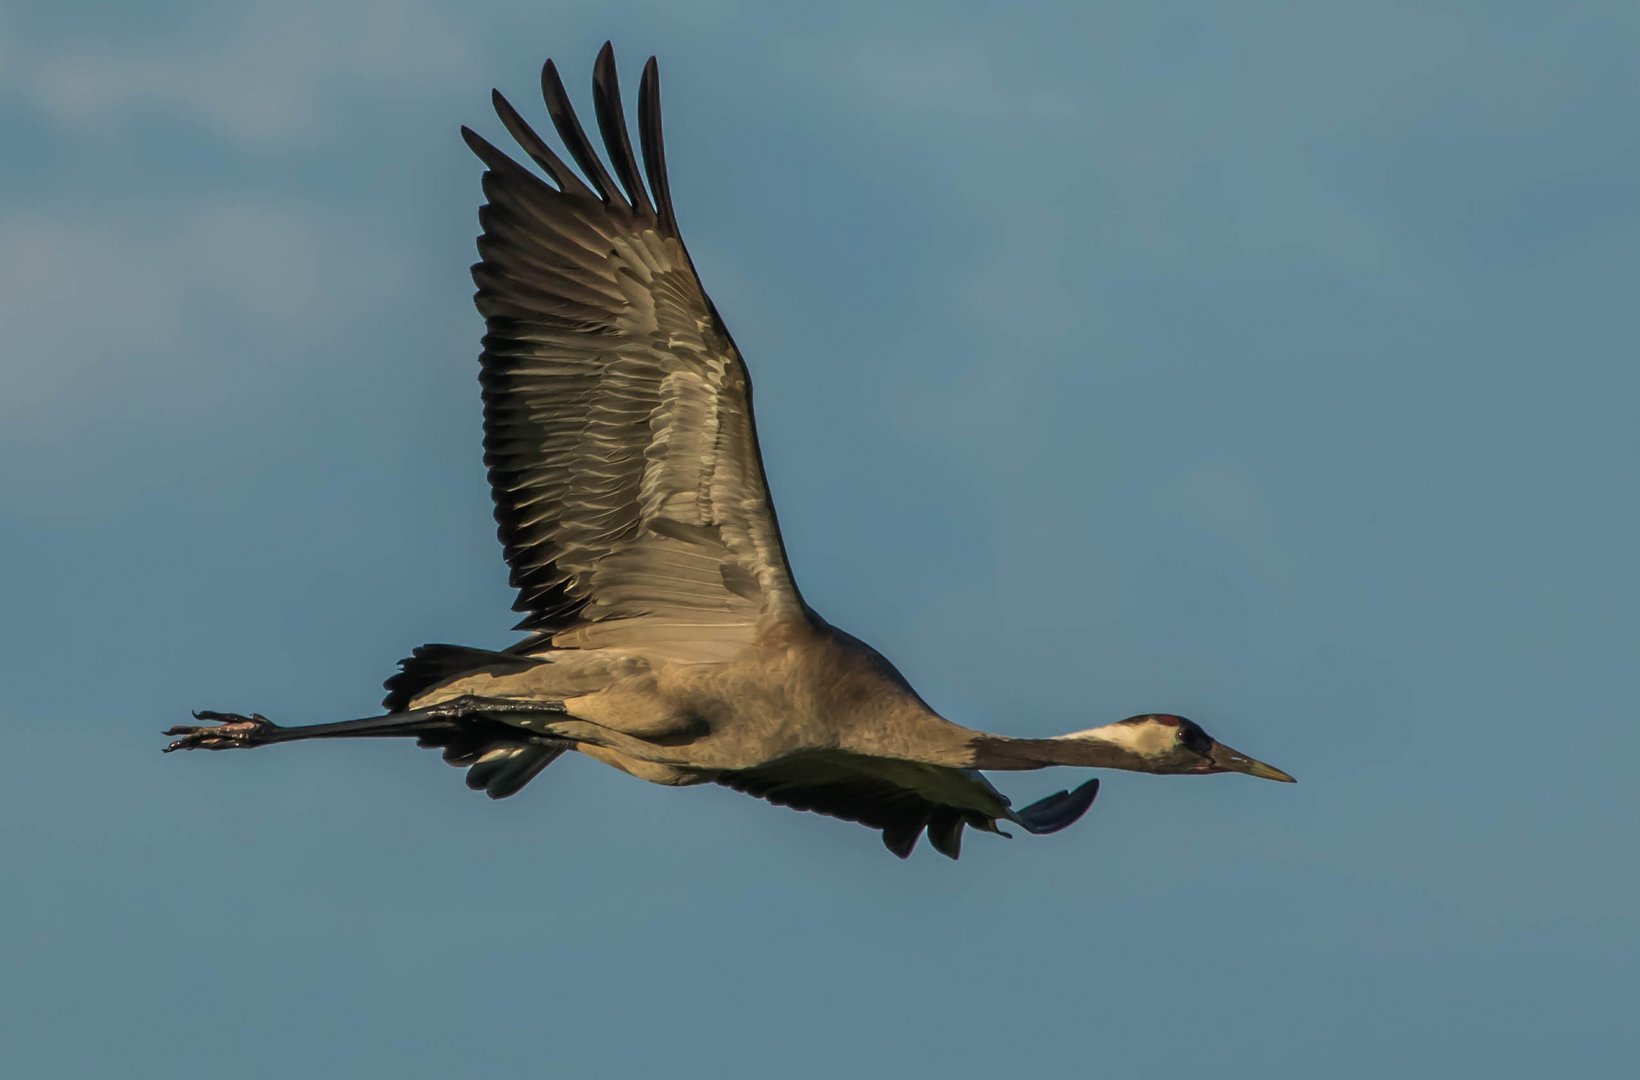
(226, 731)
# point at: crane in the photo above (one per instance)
(667, 636)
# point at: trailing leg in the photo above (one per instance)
(501, 756)
(229, 731)
(233, 731)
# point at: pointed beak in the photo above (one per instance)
(1225, 759)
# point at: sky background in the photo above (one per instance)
(1274, 364)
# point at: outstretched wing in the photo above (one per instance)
(902, 798)
(618, 427)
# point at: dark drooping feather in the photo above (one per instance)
(890, 799)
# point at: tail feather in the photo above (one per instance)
(429, 665)
(497, 765)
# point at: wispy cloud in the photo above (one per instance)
(80, 297)
(261, 81)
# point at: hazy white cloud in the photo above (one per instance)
(122, 337)
(70, 294)
(80, 298)
(260, 81)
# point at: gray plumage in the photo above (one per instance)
(668, 636)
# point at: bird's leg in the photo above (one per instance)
(226, 731)
(473, 704)
(232, 731)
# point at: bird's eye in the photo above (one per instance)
(1194, 738)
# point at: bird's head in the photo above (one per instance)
(1172, 744)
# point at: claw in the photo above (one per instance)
(227, 731)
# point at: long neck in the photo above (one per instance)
(1100, 748)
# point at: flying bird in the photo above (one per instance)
(667, 636)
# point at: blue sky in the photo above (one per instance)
(1273, 365)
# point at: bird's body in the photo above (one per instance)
(669, 639)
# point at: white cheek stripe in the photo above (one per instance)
(1146, 740)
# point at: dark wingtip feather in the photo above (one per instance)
(537, 148)
(487, 152)
(575, 138)
(654, 145)
(475, 142)
(606, 102)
